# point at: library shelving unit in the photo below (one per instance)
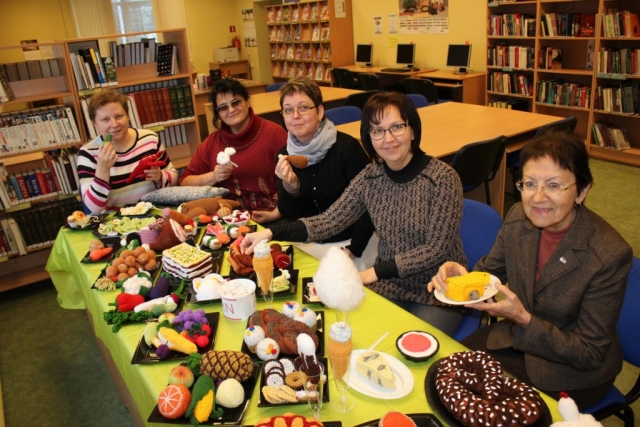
(568, 41)
(17, 271)
(308, 39)
(617, 71)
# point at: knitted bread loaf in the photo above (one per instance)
(226, 364)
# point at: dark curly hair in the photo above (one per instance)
(226, 85)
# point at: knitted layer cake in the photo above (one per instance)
(186, 262)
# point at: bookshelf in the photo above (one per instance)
(64, 91)
(308, 39)
(556, 70)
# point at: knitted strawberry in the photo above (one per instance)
(147, 163)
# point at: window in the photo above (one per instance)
(132, 16)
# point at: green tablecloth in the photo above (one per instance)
(73, 281)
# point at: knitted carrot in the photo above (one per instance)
(98, 254)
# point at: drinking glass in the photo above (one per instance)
(314, 389)
(340, 366)
(266, 288)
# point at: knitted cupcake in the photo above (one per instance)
(252, 336)
(290, 308)
(268, 349)
(308, 317)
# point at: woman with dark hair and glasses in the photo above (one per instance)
(414, 201)
(256, 141)
(334, 159)
(566, 270)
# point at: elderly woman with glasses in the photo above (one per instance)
(250, 179)
(414, 201)
(566, 270)
(334, 159)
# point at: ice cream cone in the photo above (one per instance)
(339, 355)
(264, 271)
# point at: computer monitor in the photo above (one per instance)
(364, 53)
(459, 56)
(406, 54)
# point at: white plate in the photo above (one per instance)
(404, 379)
(489, 291)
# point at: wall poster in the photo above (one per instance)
(424, 16)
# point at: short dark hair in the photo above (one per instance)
(566, 149)
(375, 109)
(104, 97)
(302, 85)
(226, 85)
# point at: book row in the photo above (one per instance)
(173, 135)
(37, 129)
(297, 34)
(311, 71)
(558, 92)
(623, 98)
(35, 227)
(509, 104)
(91, 71)
(568, 25)
(303, 12)
(618, 61)
(620, 24)
(501, 55)
(155, 104)
(610, 136)
(301, 53)
(142, 52)
(29, 70)
(513, 83)
(515, 25)
(58, 174)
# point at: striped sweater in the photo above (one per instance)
(98, 195)
(418, 223)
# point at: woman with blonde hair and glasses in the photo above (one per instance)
(566, 270)
(334, 159)
(256, 141)
(414, 201)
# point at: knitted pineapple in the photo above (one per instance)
(226, 364)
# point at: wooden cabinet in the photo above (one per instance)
(308, 39)
(555, 57)
(238, 69)
(63, 90)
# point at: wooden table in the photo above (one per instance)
(449, 126)
(468, 88)
(267, 105)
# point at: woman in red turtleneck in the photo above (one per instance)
(256, 141)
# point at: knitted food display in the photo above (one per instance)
(209, 206)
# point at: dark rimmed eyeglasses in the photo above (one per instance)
(302, 110)
(396, 130)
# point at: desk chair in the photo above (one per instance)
(369, 81)
(424, 87)
(345, 78)
(513, 159)
(478, 230)
(478, 163)
(359, 99)
(273, 87)
(418, 100)
(615, 403)
(344, 114)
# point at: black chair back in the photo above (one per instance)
(478, 163)
(369, 81)
(345, 78)
(565, 125)
(424, 87)
(359, 99)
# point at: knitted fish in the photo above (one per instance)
(147, 163)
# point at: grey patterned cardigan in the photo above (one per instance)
(417, 217)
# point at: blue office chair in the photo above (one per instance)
(344, 114)
(513, 159)
(424, 87)
(273, 87)
(478, 230)
(616, 403)
(418, 100)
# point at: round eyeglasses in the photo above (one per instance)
(396, 130)
(302, 110)
(551, 188)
